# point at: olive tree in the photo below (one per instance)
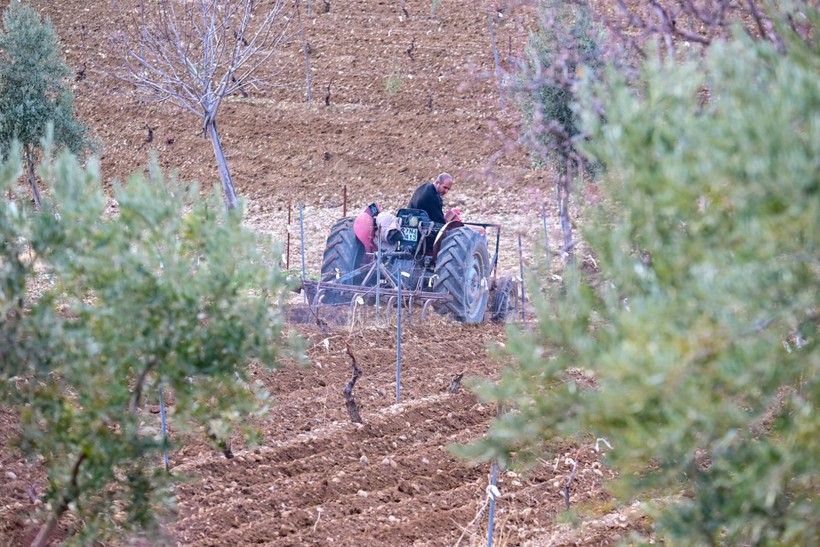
(34, 90)
(702, 327)
(98, 309)
(566, 44)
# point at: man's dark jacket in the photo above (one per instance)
(426, 197)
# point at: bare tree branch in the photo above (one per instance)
(138, 388)
(350, 401)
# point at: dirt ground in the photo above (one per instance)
(318, 478)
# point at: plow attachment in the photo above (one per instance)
(377, 287)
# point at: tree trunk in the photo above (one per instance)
(495, 58)
(306, 49)
(222, 164)
(73, 492)
(31, 179)
(44, 535)
(563, 211)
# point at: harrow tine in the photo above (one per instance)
(390, 302)
(424, 308)
(317, 297)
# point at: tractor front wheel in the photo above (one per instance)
(462, 267)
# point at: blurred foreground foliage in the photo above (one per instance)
(700, 318)
(104, 301)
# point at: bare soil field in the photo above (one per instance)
(317, 478)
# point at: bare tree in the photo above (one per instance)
(194, 53)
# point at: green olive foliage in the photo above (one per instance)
(701, 325)
(34, 89)
(100, 309)
(566, 44)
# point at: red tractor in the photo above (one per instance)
(446, 265)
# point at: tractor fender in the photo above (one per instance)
(442, 233)
(365, 227)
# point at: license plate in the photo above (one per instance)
(410, 234)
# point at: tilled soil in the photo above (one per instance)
(319, 478)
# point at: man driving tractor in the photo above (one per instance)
(428, 197)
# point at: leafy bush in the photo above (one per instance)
(98, 310)
(702, 327)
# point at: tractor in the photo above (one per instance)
(421, 261)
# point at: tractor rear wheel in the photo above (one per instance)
(344, 253)
(462, 267)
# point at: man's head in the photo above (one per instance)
(443, 183)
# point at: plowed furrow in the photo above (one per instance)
(398, 460)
